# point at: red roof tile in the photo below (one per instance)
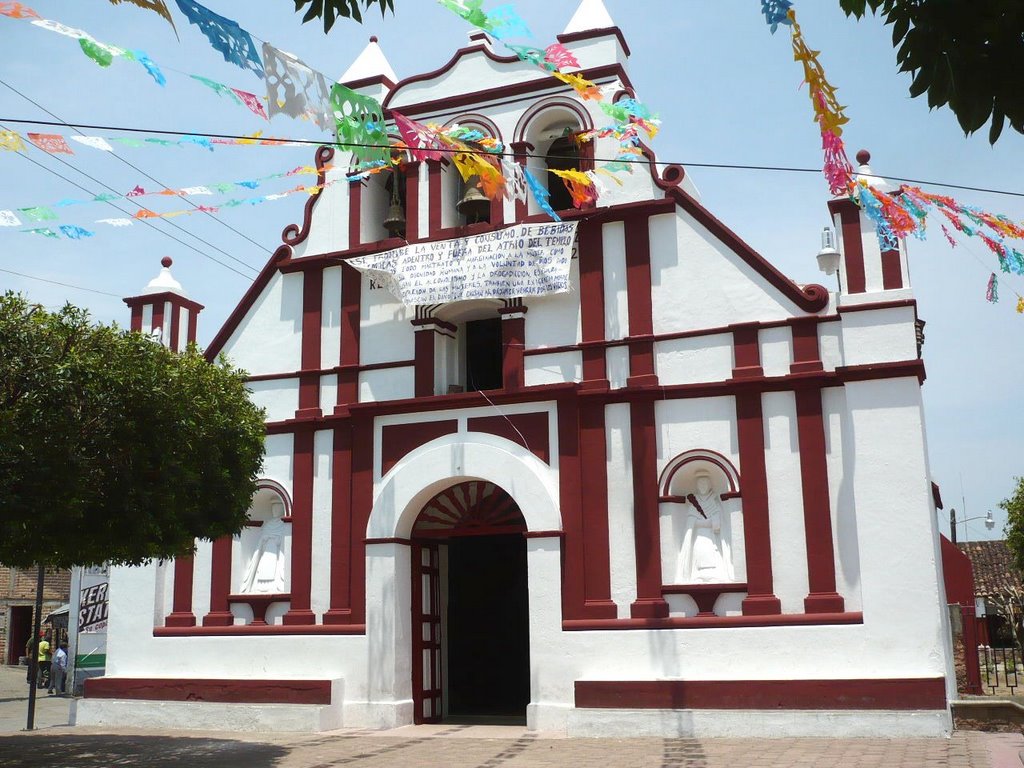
(994, 571)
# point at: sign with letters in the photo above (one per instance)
(523, 260)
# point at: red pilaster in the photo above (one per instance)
(302, 530)
(571, 507)
(746, 351)
(806, 357)
(348, 370)
(362, 503)
(594, 502)
(760, 599)
(853, 247)
(355, 213)
(220, 585)
(340, 611)
(638, 293)
(309, 379)
(434, 197)
(821, 565)
(193, 319)
(424, 342)
(595, 374)
(892, 270)
(513, 346)
(136, 317)
(181, 602)
(175, 328)
(158, 319)
(649, 602)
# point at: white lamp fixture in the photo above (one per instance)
(828, 256)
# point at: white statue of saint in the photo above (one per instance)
(704, 556)
(264, 575)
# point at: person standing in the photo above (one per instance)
(59, 669)
(43, 657)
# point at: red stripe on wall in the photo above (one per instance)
(181, 602)
(888, 694)
(892, 270)
(246, 691)
(312, 319)
(590, 234)
(853, 247)
(220, 585)
(340, 611)
(302, 530)
(355, 215)
(638, 294)
(646, 523)
(594, 499)
(351, 300)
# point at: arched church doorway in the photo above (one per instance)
(471, 641)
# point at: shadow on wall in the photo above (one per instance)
(102, 751)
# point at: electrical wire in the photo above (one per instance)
(644, 161)
(57, 282)
(141, 221)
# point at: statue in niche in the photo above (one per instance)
(704, 557)
(264, 575)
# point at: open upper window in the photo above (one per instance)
(470, 354)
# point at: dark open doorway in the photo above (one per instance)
(470, 605)
(20, 632)
(483, 354)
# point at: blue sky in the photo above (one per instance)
(727, 91)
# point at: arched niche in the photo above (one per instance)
(454, 188)
(550, 127)
(261, 553)
(379, 191)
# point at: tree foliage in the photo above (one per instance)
(112, 447)
(962, 53)
(329, 10)
(1014, 530)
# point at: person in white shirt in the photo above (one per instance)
(59, 669)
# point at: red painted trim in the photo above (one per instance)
(424, 344)
(398, 440)
(271, 629)
(893, 370)
(388, 540)
(821, 565)
(157, 320)
(181, 601)
(649, 602)
(513, 342)
(746, 352)
(892, 270)
(522, 129)
(351, 305)
(594, 500)
(412, 202)
(193, 322)
(341, 524)
(245, 691)
(292, 234)
(175, 327)
(220, 585)
(590, 34)
(173, 298)
(638, 297)
(136, 322)
(710, 622)
(544, 534)
(570, 503)
(886, 694)
(704, 595)
(355, 213)
(853, 246)
(591, 265)
(806, 354)
(302, 530)
(434, 184)
(809, 298)
(259, 604)
(895, 304)
(248, 300)
(362, 82)
(312, 319)
(529, 430)
(698, 454)
(760, 598)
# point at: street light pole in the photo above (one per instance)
(990, 522)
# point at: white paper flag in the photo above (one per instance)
(196, 191)
(115, 222)
(8, 219)
(96, 142)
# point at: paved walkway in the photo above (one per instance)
(455, 746)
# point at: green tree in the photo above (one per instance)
(962, 53)
(1014, 530)
(329, 10)
(112, 447)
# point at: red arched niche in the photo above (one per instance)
(470, 508)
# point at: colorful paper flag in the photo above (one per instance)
(992, 291)
(540, 194)
(295, 89)
(39, 213)
(8, 219)
(560, 56)
(157, 6)
(252, 101)
(96, 142)
(359, 121)
(233, 42)
(75, 232)
(44, 231)
(115, 222)
(50, 142)
(219, 88)
(17, 11)
(11, 141)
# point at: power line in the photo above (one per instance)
(128, 213)
(57, 282)
(135, 167)
(644, 161)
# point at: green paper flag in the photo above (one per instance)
(360, 122)
(39, 213)
(100, 54)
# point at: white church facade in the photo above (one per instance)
(687, 497)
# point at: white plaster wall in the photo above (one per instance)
(280, 397)
(147, 318)
(330, 318)
(699, 283)
(387, 384)
(785, 500)
(687, 424)
(776, 350)
(840, 462)
(201, 571)
(278, 459)
(269, 337)
(830, 345)
(616, 308)
(386, 334)
(553, 321)
(328, 393)
(878, 335)
(552, 369)
(621, 538)
(182, 328)
(329, 230)
(692, 360)
(323, 452)
(617, 366)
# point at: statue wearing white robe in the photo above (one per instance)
(704, 557)
(265, 572)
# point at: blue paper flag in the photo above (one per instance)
(151, 67)
(233, 42)
(248, 184)
(73, 232)
(201, 141)
(540, 194)
(775, 12)
(504, 22)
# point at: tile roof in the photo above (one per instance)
(994, 571)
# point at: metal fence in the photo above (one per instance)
(1000, 668)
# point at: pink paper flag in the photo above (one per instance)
(50, 142)
(422, 142)
(560, 56)
(136, 192)
(252, 101)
